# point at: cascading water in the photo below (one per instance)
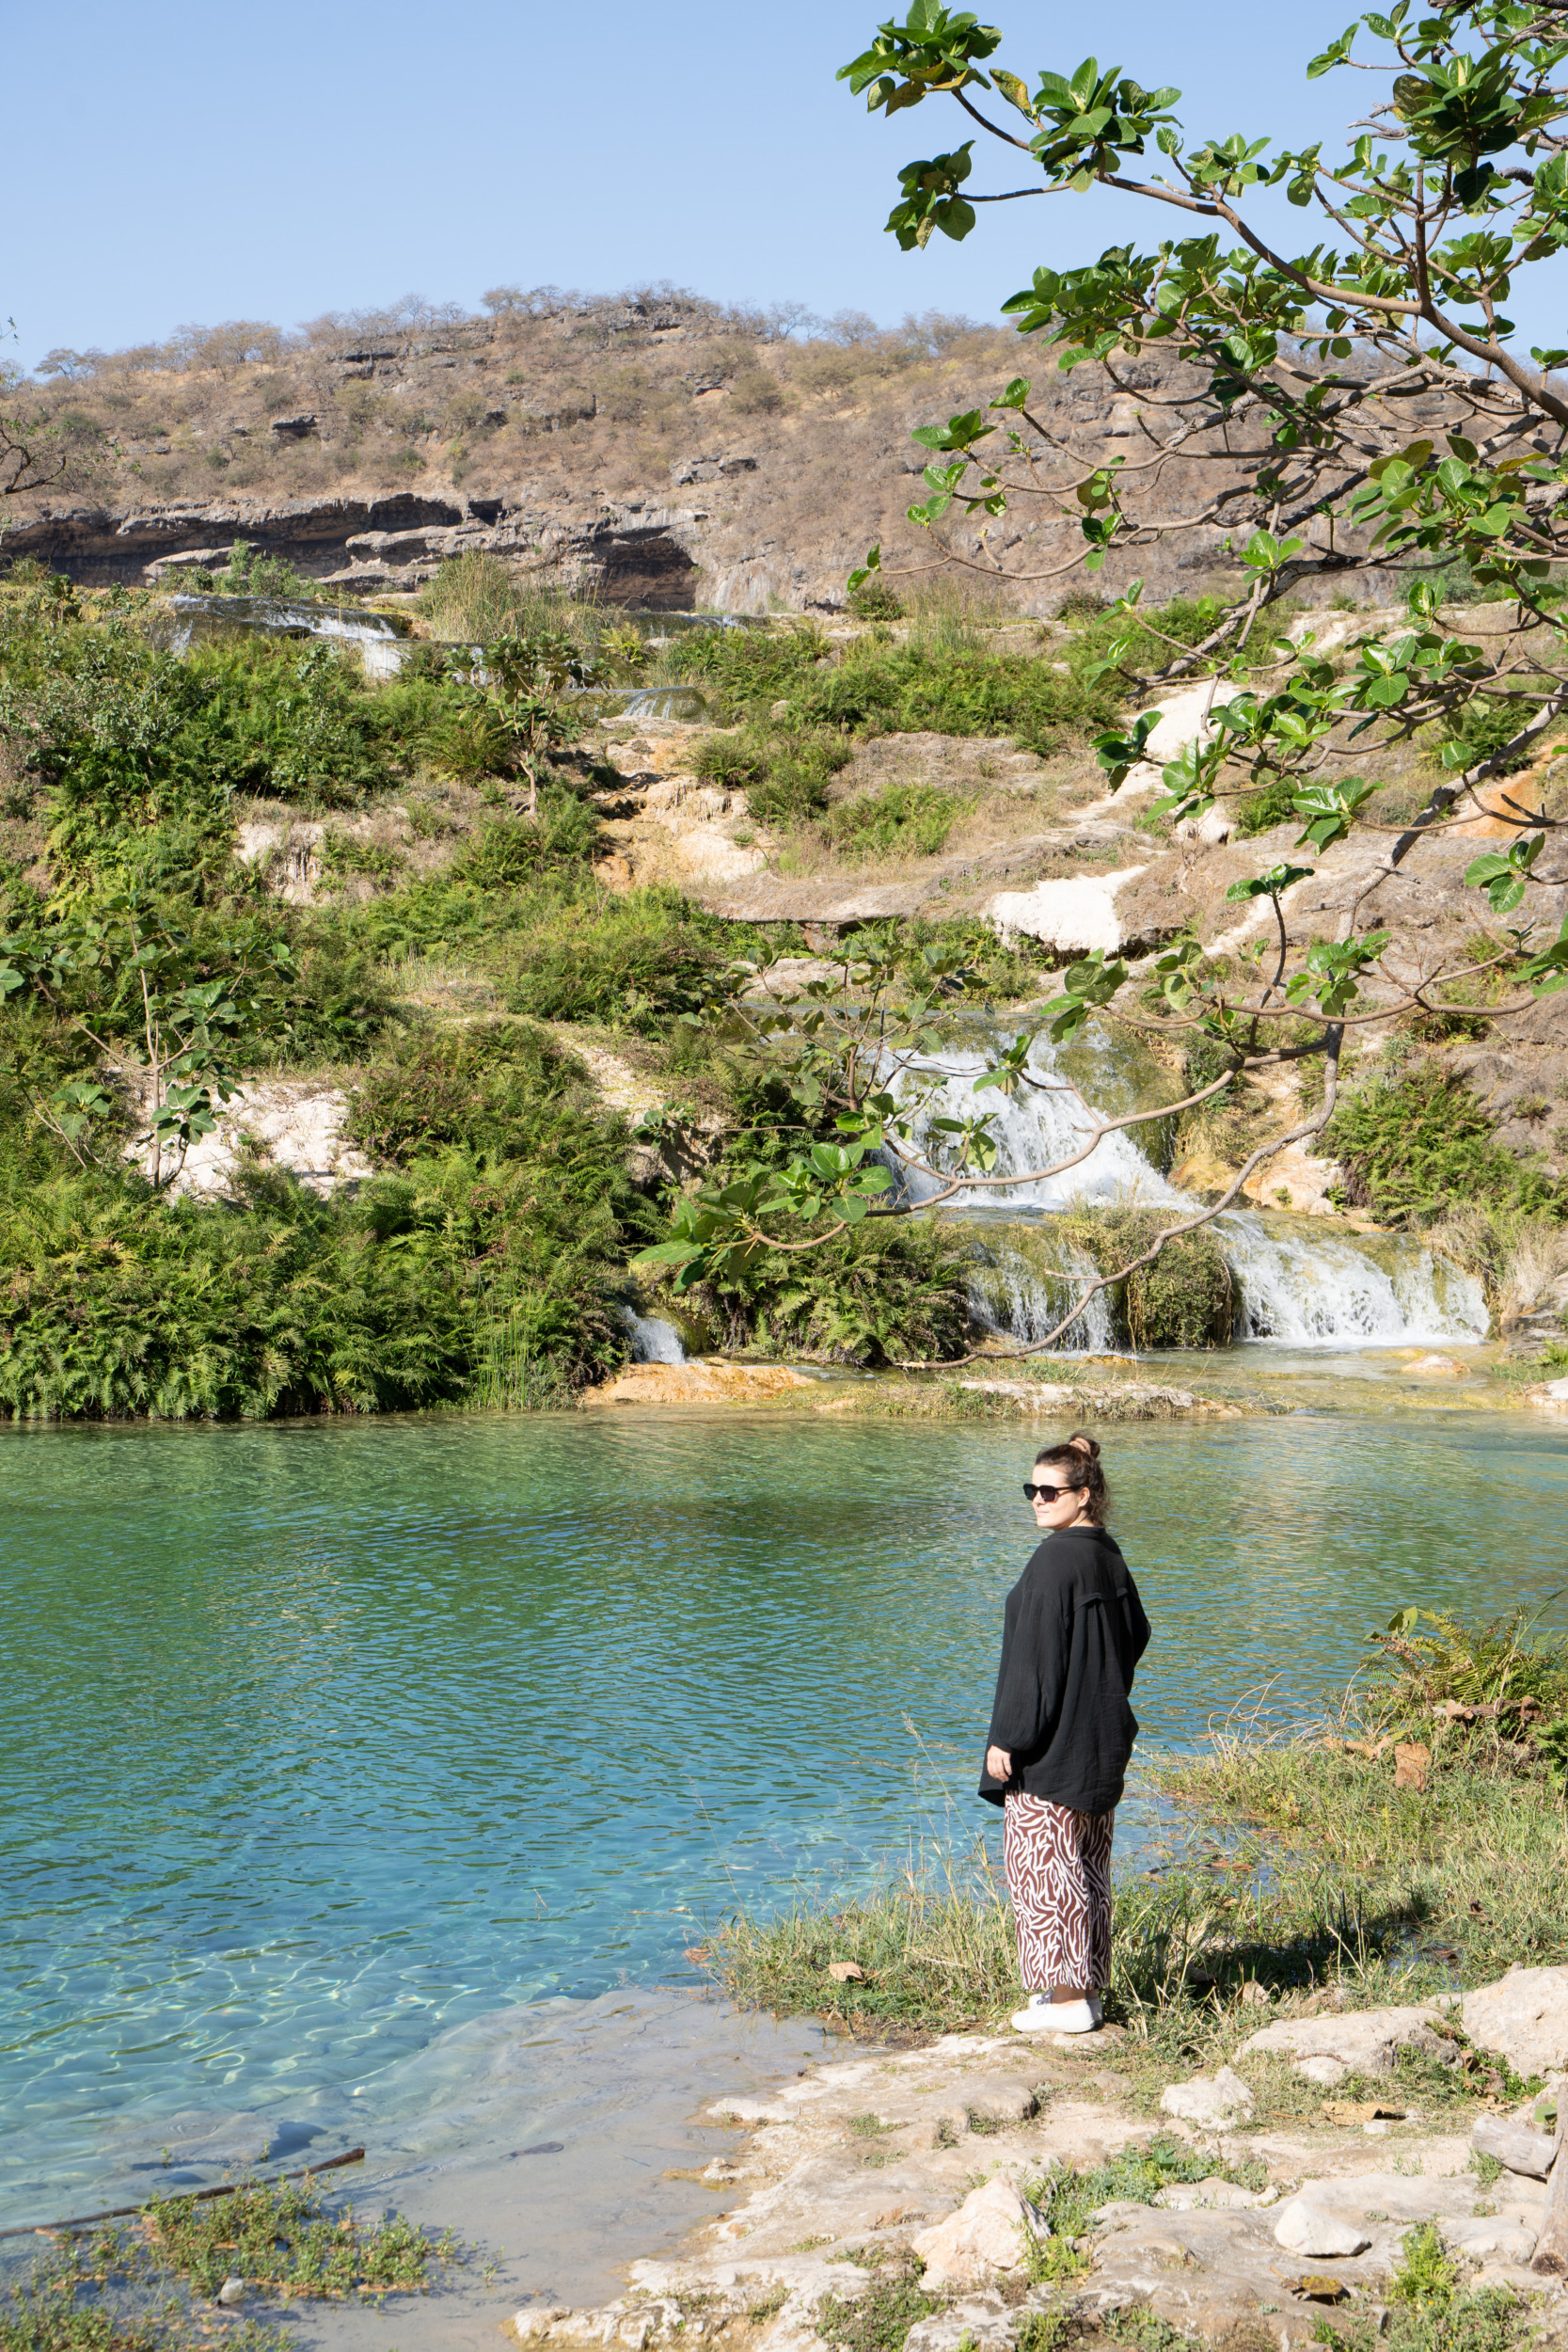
(1020, 1301)
(382, 649)
(653, 1340)
(1295, 1284)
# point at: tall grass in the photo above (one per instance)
(1337, 1869)
(475, 598)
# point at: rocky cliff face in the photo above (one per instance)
(661, 454)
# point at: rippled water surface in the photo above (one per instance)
(321, 1741)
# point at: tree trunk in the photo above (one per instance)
(1550, 2259)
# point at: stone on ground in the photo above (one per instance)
(1360, 2041)
(1514, 2146)
(990, 2232)
(1220, 2099)
(1306, 2229)
(1524, 2017)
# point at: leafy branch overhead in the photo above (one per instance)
(1350, 403)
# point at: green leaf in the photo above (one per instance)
(669, 1253)
(1335, 54)
(1270, 884)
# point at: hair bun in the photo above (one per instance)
(1082, 1442)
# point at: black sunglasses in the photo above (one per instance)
(1031, 1493)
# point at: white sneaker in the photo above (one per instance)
(1075, 2016)
(1034, 2016)
(1044, 2015)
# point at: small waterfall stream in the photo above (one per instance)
(1296, 1284)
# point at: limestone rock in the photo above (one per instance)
(1496, 2238)
(1514, 2146)
(1359, 2042)
(1210, 2196)
(1002, 2099)
(1304, 2228)
(1549, 1396)
(1220, 2100)
(987, 2233)
(536, 2320)
(695, 1383)
(984, 2320)
(1525, 2015)
(1076, 913)
(1330, 2072)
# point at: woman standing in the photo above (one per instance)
(1061, 1735)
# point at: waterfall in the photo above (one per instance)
(653, 1340)
(1296, 1284)
(1033, 1128)
(1023, 1301)
(382, 649)
(1303, 1290)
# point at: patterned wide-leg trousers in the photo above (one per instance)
(1058, 1867)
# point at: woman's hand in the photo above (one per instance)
(999, 1764)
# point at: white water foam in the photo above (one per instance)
(1009, 1297)
(1292, 1289)
(653, 1340)
(1312, 1291)
(1035, 1128)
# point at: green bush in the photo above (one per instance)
(904, 820)
(1255, 812)
(893, 690)
(896, 1292)
(1486, 725)
(486, 1270)
(515, 851)
(1186, 1298)
(882, 688)
(502, 1089)
(638, 961)
(1413, 1146)
(876, 600)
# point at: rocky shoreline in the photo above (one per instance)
(936, 2164)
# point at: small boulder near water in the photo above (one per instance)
(1220, 2099)
(1524, 2016)
(1359, 2042)
(990, 2232)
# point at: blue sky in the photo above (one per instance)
(184, 163)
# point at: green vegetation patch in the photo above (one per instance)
(880, 2318)
(1185, 1298)
(1411, 1145)
(142, 2286)
(878, 687)
(488, 1269)
(904, 820)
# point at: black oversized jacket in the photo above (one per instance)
(1072, 1632)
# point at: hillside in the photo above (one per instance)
(662, 451)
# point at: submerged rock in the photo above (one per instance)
(699, 1383)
